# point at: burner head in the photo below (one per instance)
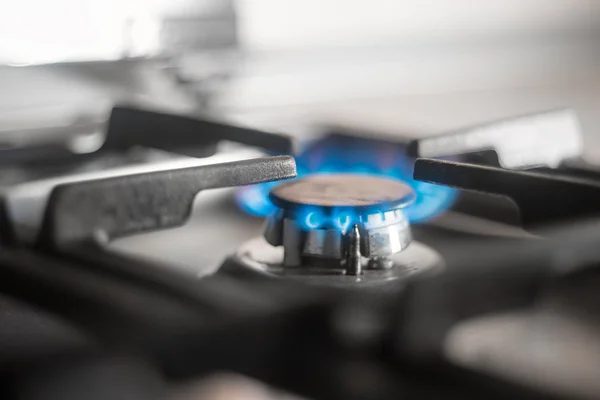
(342, 217)
(343, 191)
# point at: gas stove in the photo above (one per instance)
(463, 265)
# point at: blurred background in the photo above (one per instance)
(404, 67)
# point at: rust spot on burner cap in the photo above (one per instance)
(343, 190)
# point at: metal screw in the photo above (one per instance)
(353, 266)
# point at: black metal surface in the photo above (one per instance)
(6, 229)
(188, 327)
(179, 133)
(542, 199)
(495, 278)
(109, 308)
(129, 204)
(294, 345)
(90, 376)
(577, 168)
(184, 334)
(490, 278)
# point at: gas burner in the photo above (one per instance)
(346, 226)
(341, 217)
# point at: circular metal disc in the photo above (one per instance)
(343, 190)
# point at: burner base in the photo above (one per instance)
(259, 257)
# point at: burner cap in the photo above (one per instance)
(346, 191)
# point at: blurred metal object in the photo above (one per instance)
(387, 233)
(326, 243)
(380, 263)
(542, 199)
(154, 200)
(553, 348)
(353, 256)
(259, 258)
(543, 139)
(51, 124)
(131, 51)
(126, 30)
(202, 25)
(292, 240)
(383, 234)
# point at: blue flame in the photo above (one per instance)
(344, 219)
(255, 199)
(342, 154)
(311, 218)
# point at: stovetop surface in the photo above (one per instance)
(146, 259)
